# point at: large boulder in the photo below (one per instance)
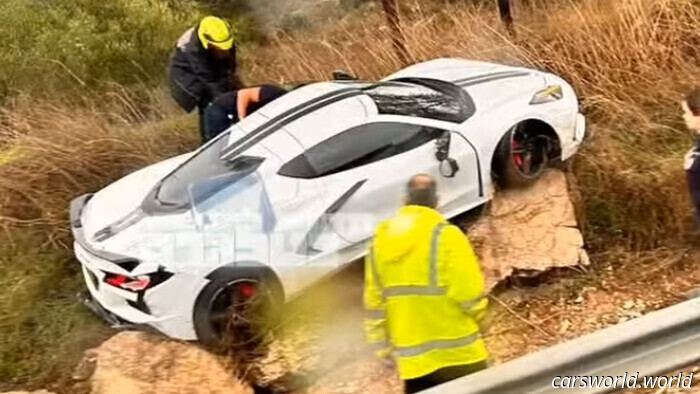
(28, 392)
(134, 362)
(529, 230)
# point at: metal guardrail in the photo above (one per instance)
(657, 343)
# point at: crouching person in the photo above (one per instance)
(229, 108)
(424, 293)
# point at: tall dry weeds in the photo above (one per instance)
(630, 61)
(49, 154)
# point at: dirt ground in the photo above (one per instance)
(324, 345)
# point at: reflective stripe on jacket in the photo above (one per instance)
(424, 293)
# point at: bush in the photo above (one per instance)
(43, 329)
(69, 47)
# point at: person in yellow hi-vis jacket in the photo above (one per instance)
(424, 293)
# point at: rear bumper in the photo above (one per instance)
(128, 306)
(156, 308)
(166, 308)
(95, 264)
(110, 318)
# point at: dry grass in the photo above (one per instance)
(50, 154)
(630, 60)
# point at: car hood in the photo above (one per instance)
(123, 197)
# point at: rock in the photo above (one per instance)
(531, 229)
(135, 362)
(28, 392)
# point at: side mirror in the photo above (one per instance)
(342, 75)
(449, 170)
(448, 166)
(442, 145)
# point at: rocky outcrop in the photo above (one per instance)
(529, 230)
(133, 362)
(29, 392)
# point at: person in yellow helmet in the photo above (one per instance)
(203, 65)
(424, 293)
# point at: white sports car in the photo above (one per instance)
(292, 193)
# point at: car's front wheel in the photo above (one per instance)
(521, 157)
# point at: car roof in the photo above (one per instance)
(315, 104)
(316, 111)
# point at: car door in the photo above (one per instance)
(364, 171)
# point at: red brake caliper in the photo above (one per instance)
(517, 157)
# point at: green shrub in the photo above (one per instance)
(66, 47)
(43, 329)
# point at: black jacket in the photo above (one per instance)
(692, 167)
(196, 76)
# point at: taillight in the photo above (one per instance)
(127, 283)
(138, 283)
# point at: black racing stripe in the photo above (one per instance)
(478, 77)
(495, 78)
(283, 115)
(239, 148)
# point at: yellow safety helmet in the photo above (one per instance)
(215, 32)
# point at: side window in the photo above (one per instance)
(358, 146)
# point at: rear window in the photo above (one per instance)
(448, 103)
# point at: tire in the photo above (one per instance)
(508, 171)
(253, 317)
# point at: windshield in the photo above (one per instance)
(204, 164)
(423, 98)
(206, 169)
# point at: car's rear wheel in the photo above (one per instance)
(234, 314)
(521, 157)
